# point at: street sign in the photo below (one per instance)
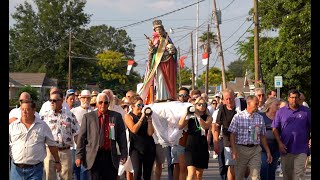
(278, 81)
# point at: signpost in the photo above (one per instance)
(278, 84)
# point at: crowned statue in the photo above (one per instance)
(161, 72)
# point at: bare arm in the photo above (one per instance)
(282, 147)
(54, 151)
(233, 146)
(133, 127)
(183, 121)
(150, 126)
(266, 147)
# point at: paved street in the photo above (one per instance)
(213, 172)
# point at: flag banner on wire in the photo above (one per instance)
(181, 62)
(129, 67)
(204, 58)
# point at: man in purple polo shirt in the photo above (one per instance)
(291, 128)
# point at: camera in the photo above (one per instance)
(147, 111)
(191, 109)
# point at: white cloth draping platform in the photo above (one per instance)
(165, 119)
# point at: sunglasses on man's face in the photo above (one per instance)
(103, 102)
(140, 105)
(183, 95)
(202, 104)
(54, 100)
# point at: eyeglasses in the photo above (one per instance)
(260, 95)
(202, 104)
(54, 100)
(183, 95)
(140, 105)
(104, 102)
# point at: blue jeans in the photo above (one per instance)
(268, 171)
(33, 173)
(81, 173)
(223, 169)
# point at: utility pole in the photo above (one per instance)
(208, 51)
(224, 85)
(69, 72)
(197, 50)
(192, 63)
(256, 42)
(179, 67)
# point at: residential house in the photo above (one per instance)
(36, 80)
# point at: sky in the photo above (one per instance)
(180, 16)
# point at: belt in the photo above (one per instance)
(248, 145)
(63, 148)
(24, 166)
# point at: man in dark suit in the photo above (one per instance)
(96, 146)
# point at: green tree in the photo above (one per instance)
(108, 38)
(39, 39)
(112, 73)
(236, 68)
(44, 29)
(214, 77)
(289, 53)
(203, 39)
(186, 76)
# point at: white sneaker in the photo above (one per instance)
(280, 174)
(215, 156)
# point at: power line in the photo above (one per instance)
(235, 31)
(136, 23)
(227, 5)
(239, 37)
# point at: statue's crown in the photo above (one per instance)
(157, 23)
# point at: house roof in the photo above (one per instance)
(238, 85)
(32, 79)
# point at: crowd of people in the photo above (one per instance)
(90, 135)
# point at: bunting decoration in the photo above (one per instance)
(130, 64)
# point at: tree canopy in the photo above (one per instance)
(39, 42)
(287, 54)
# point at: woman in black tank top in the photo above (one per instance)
(142, 147)
(197, 155)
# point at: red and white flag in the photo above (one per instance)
(204, 58)
(130, 64)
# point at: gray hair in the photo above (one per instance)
(102, 95)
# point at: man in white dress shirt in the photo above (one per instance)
(27, 138)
